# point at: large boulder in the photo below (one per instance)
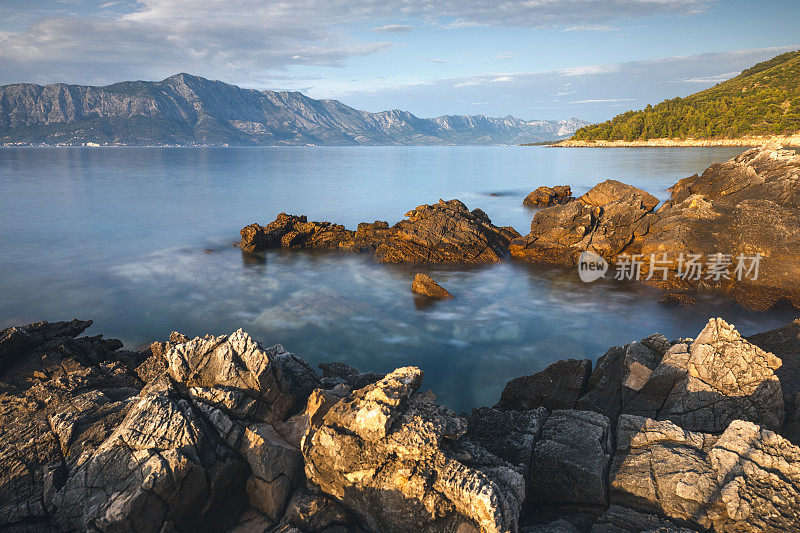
(620, 373)
(546, 196)
(509, 435)
(424, 285)
(719, 379)
(261, 383)
(570, 462)
(747, 479)
(165, 465)
(391, 455)
(607, 220)
(445, 232)
(556, 387)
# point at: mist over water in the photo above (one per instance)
(118, 236)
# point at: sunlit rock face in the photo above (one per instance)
(746, 206)
(394, 457)
(444, 232)
(230, 435)
(747, 479)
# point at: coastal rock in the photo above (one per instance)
(445, 232)
(611, 191)
(382, 451)
(292, 231)
(60, 396)
(338, 372)
(618, 519)
(619, 374)
(424, 285)
(746, 206)
(163, 466)
(570, 461)
(242, 367)
(726, 379)
(546, 196)
(606, 220)
(746, 479)
(510, 435)
(556, 387)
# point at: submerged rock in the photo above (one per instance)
(546, 196)
(424, 285)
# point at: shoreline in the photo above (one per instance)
(103, 428)
(783, 140)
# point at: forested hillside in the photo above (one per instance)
(762, 100)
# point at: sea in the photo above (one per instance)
(140, 240)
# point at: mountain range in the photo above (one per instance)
(190, 110)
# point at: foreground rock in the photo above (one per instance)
(747, 479)
(387, 452)
(744, 207)
(445, 232)
(546, 196)
(424, 285)
(226, 434)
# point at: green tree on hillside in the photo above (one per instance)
(762, 100)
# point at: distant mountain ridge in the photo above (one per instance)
(763, 100)
(190, 110)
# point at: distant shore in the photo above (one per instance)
(783, 140)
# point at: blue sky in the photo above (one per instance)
(535, 59)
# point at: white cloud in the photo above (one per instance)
(393, 28)
(437, 60)
(502, 79)
(708, 79)
(595, 92)
(602, 100)
(239, 40)
(603, 27)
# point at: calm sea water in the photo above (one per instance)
(118, 236)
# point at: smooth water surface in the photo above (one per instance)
(118, 236)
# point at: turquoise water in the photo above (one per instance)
(118, 236)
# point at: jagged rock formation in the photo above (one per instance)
(546, 196)
(747, 479)
(228, 435)
(445, 232)
(424, 285)
(605, 220)
(749, 205)
(186, 109)
(384, 452)
(559, 386)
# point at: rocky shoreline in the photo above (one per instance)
(781, 140)
(226, 434)
(738, 222)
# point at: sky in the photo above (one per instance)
(534, 59)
